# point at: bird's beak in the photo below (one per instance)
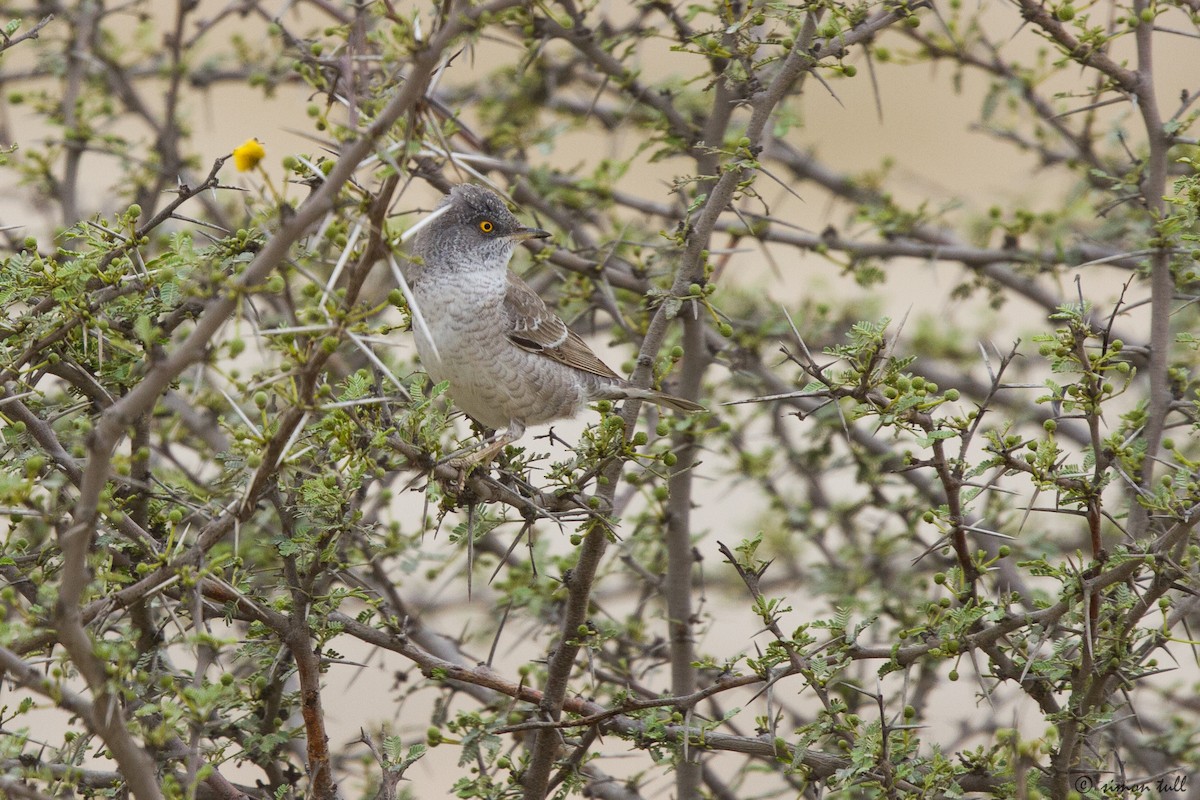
(521, 234)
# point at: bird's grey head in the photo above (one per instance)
(476, 231)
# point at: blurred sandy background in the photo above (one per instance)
(925, 127)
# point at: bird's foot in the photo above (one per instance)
(469, 461)
(478, 455)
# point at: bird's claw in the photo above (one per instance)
(464, 466)
(467, 461)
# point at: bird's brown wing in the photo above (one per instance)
(534, 327)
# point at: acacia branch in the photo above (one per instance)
(822, 765)
(111, 425)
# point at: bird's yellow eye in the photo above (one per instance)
(486, 226)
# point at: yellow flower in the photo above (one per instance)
(247, 155)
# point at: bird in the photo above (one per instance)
(510, 361)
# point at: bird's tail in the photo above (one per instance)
(662, 399)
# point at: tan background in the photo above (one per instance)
(925, 129)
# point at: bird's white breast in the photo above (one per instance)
(464, 313)
(458, 307)
(491, 379)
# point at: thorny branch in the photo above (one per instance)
(163, 490)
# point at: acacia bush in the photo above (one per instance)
(893, 558)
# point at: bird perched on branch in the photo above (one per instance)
(510, 361)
